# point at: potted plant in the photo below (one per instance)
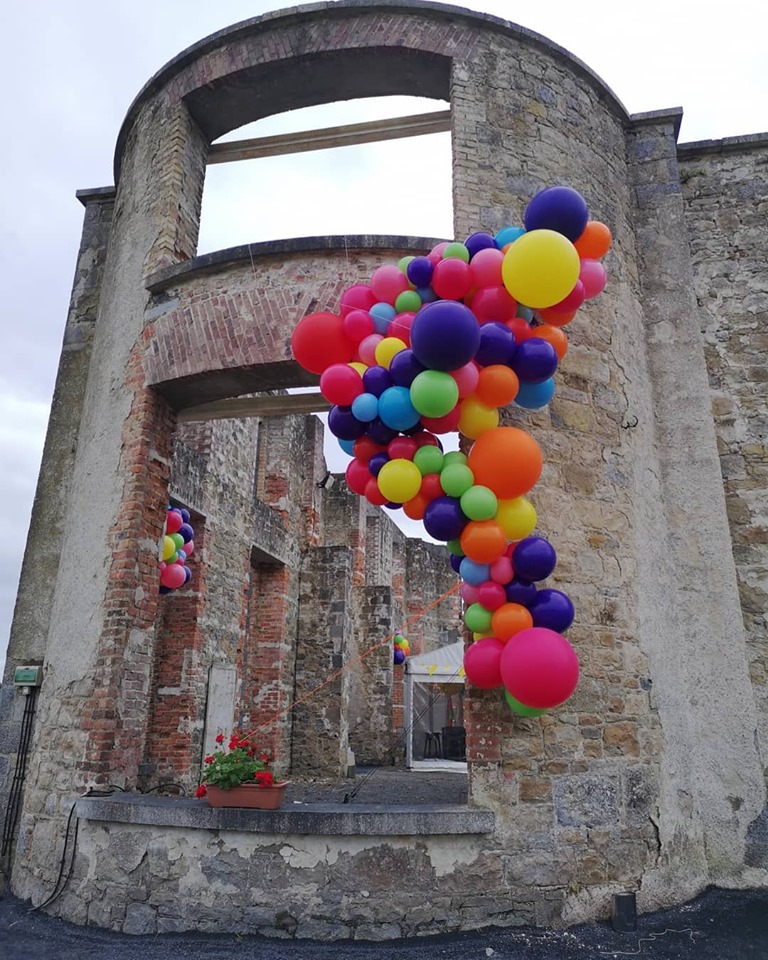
(239, 776)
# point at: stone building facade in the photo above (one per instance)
(653, 776)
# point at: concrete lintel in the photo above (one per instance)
(96, 195)
(672, 115)
(326, 819)
(749, 141)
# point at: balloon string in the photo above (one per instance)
(337, 673)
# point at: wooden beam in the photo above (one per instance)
(291, 404)
(391, 129)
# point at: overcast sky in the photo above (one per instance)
(70, 71)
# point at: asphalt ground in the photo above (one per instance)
(718, 925)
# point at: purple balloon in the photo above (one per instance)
(187, 532)
(520, 591)
(187, 574)
(419, 271)
(378, 431)
(534, 559)
(164, 590)
(445, 335)
(399, 656)
(376, 462)
(562, 209)
(479, 241)
(404, 368)
(455, 562)
(552, 609)
(344, 424)
(535, 360)
(497, 345)
(184, 515)
(444, 519)
(376, 380)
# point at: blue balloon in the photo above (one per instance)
(534, 558)
(184, 515)
(187, 574)
(508, 235)
(562, 209)
(444, 519)
(552, 609)
(344, 424)
(478, 241)
(348, 446)
(427, 294)
(379, 432)
(497, 345)
(396, 409)
(365, 407)
(520, 591)
(404, 368)
(535, 360)
(382, 315)
(419, 271)
(186, 532)
(525, 313)
(376, 380)
(399, 656)
(474, 573)
(533, 396)
(445, 335)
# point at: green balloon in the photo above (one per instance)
(457, 250)
(434, 393)
(455, 547)
(456, 479)
(178, 540)
(455, 456)
(477, 618)
(429, 459)
(479, 503)
(520, 708)
(408, 302)
(402, 263)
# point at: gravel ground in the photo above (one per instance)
(384, 785)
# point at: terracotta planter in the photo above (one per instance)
(248, 795)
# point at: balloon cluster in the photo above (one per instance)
(178, 544)
(440, 343)
(401, 649)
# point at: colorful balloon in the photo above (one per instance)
(539, 668)
(507, 460)
(482, 663)
(540, 268)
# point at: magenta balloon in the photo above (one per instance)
(482, 663)
(468, 593)
(173, 576)
(539, 668)
(491, 595)
(173, 522)
(501, 570)
(594, 278)
(340, 384)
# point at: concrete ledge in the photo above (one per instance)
(327, 819)
(696, 148)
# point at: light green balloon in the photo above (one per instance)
(402, 263)
(455, 456)
(429, 459)
(408, 302)
(434, 393)
(520, 708)
(455, 547)
(456, 479)
(479, 503)
(477, 618)
(457, 250)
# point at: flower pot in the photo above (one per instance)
(247, 795)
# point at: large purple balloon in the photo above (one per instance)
(534, 558)
(445, 335)
(343, 424)
(520, 591)
(444, 519)
(552, 609)
(562, 209)
(497, 345)
(404, 368)
(376, 380)
(535, 360)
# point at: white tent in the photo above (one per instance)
(433, 681)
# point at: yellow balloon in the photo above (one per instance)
(386, 349)
(399, 480)
(475, 418)
(540, 268)
(358, 366)
(517, 518)
(169, 548)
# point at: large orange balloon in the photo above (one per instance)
(509, 619)
(319, 341)
(506, 460)
(483, 541)
(497, 385)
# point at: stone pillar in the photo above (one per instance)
(690, 621)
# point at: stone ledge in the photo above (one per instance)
(327, 819)
(749, 141)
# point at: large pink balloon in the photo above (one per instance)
(173, 576)
(482, 663)
(539, 668)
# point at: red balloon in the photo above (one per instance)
(521, 329)
(400, 327)
(319, 341)
(173, 522)
(539, 668)
(358, 297)
(173, 576)
(573, 301)
(340, 384)
(357, 325)
(402, 448)
(493, 304)
(431, 487)
(364, 448)
(358, 475)
(451, 279)
(446, 424)
(373, 494)
(424, 439)
(482, 663)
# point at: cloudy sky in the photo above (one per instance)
(70, 71)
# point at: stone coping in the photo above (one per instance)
(749, 141)
(327, 819)
(249, 252)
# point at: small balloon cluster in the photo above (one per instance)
(401, 649)
(178, 544)
(440, 343)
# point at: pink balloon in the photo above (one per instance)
(189, 547)
(539, 668)
(357, 325)
(468, 593)
(593, 277)
(340, 384)
(485, 268)
(400, 327)
(482, 663)
(173, 522)
(451, 279)
(367, 349)
(466, 378)
(491, 304)
(501, 570)
(358, 297)
(436, 253)
(491, 595)
(388, 282)
(173, 576)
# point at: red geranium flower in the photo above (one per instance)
(201, 791)
(209, 758)
(264, 778)
(220, 738)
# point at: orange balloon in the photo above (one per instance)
(555, 319)
(506, 460)
(414, 508)
(509, 619)
(497, 385)
(594, 242)
(483, 541)
(554, 335)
